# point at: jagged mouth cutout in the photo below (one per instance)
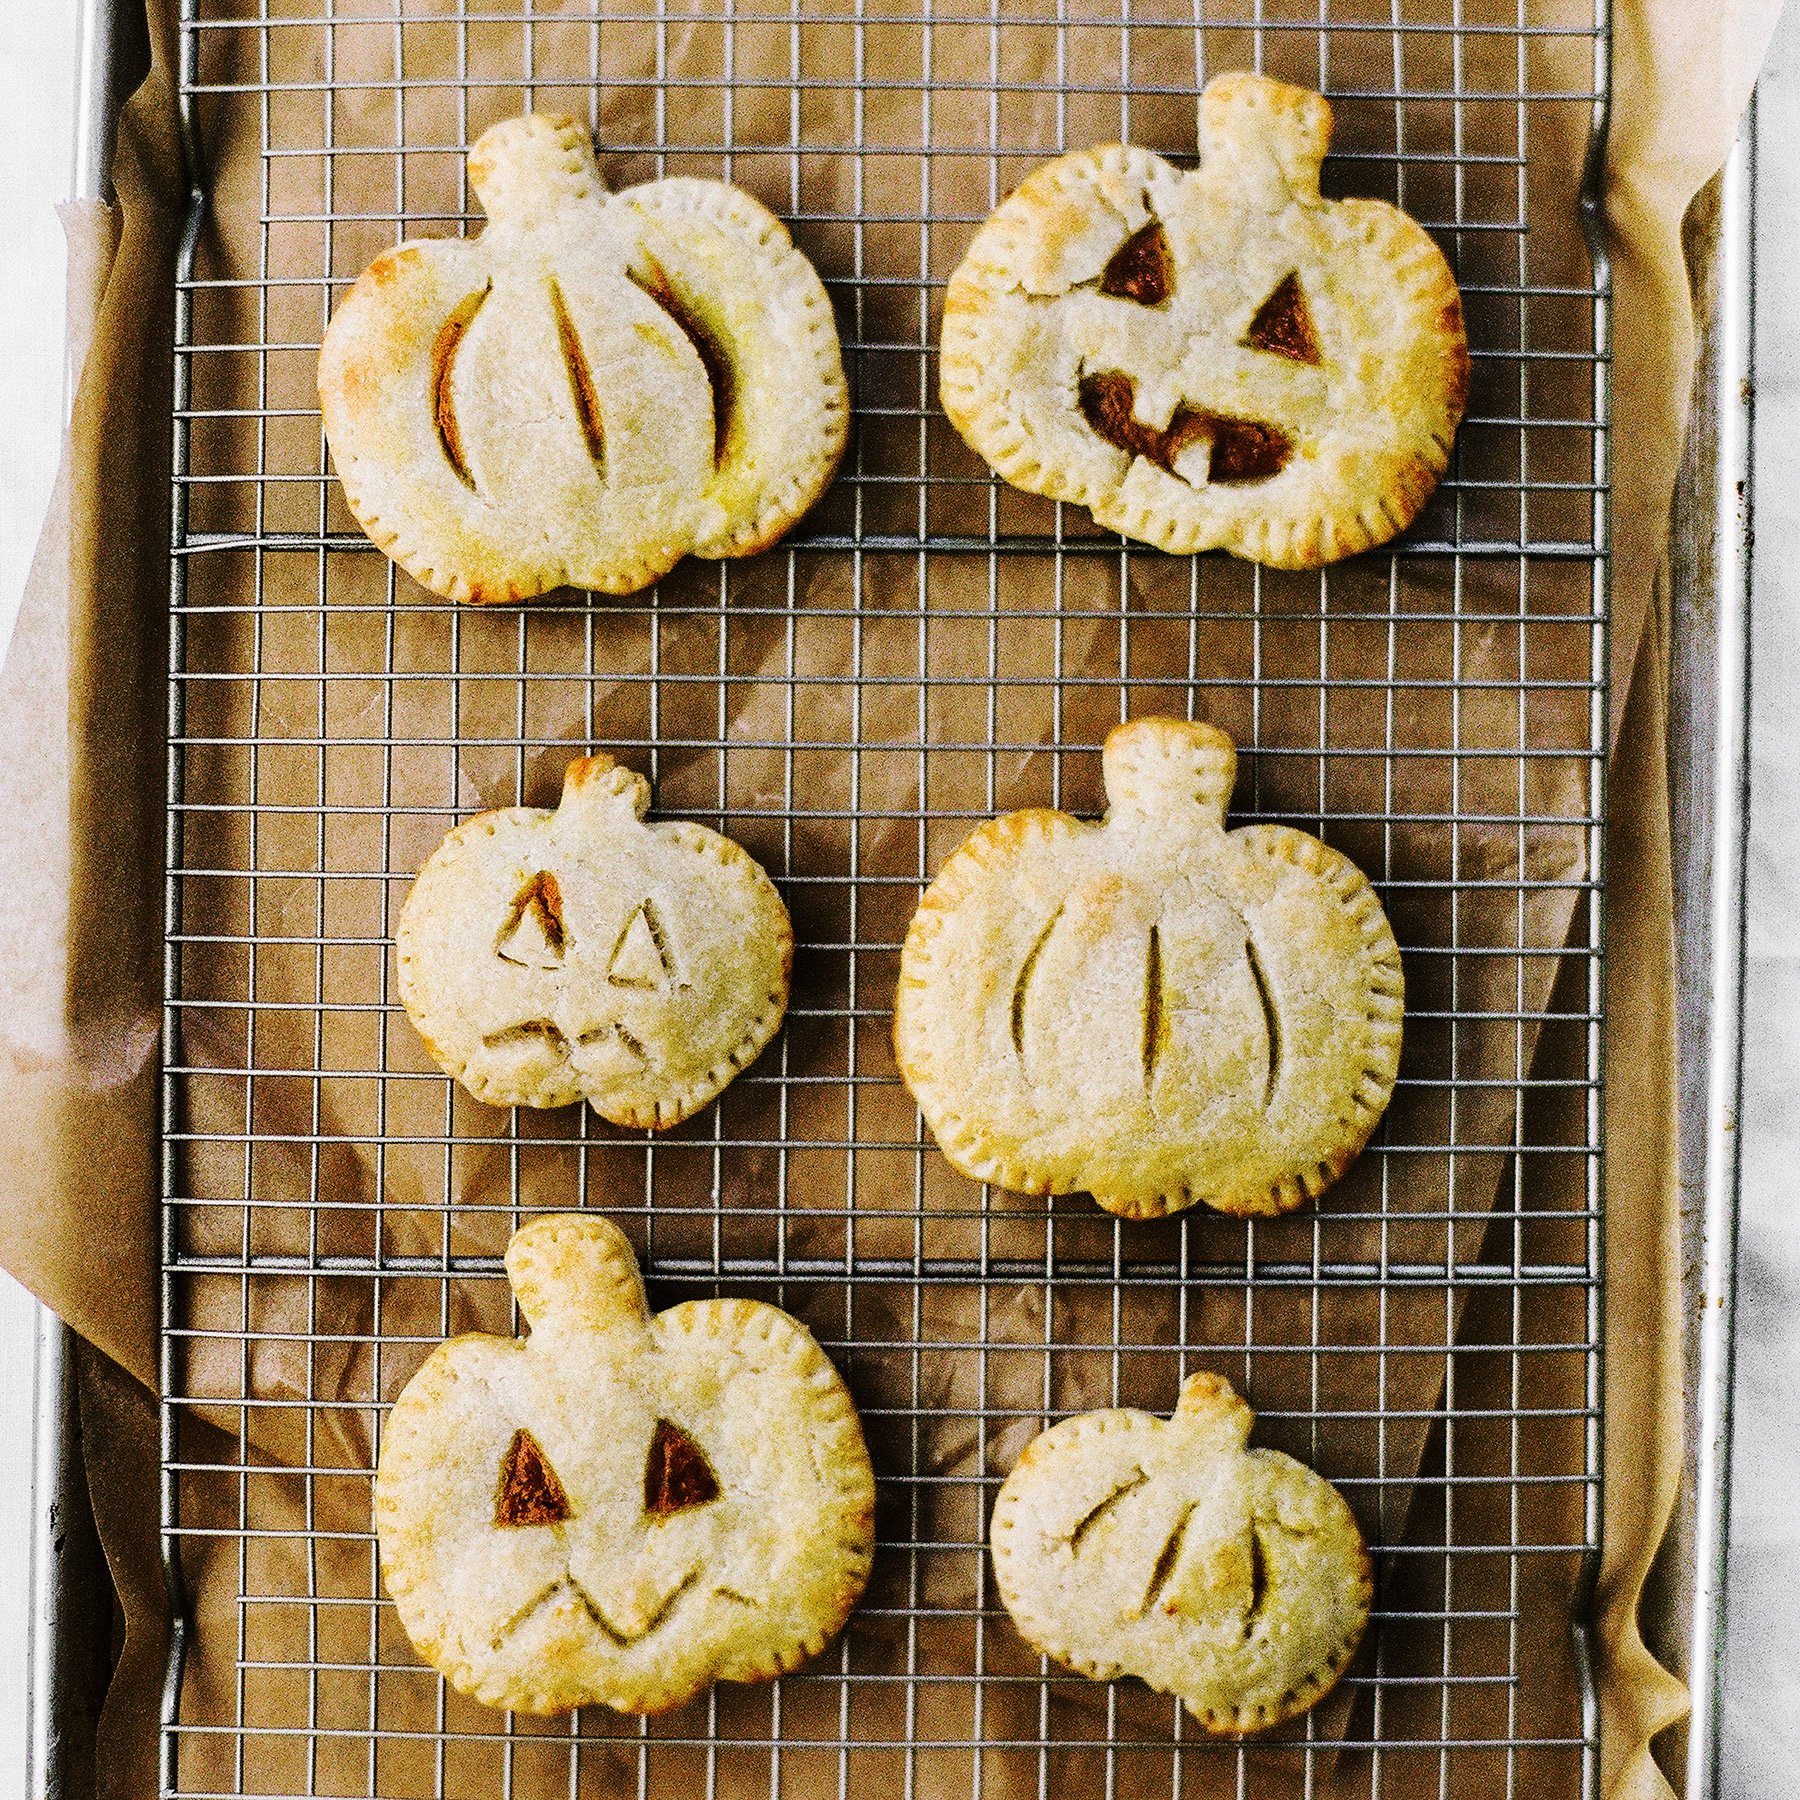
(1240, 451)
(530, 1494)
(1155, 1008)
(584, 394)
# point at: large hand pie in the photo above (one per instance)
(1217, 360)
(1152, 1009)
(1236, 1579)
(594, 387)
(622, 1508)
(548, 957)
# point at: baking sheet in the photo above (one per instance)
(735, 797)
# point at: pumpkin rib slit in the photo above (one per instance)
(1153, 1005)
(1095, 1514)
(1022, 985)
(720, 375)
(582, 391)
(443, 399)
(1271, 1018)
(1259, 1581)
(1165, 1559)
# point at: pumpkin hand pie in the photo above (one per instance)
(624, 1507)
(548, 957)
(596, 386)
(1234, 1578)
(1154, 1010)
(1223, 359)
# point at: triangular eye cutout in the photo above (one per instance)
(1283, 325)
(640, 958)
(533, 935)
(676, 1473)
(529, 1491)
(1142, 268)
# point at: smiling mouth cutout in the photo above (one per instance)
(622, 1639)
(1241, 450)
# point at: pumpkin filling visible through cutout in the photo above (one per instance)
(443, 400)
(584, 396)
(1283, 324)
(676, 1473)
(719, 372)
(1243, 450)
(1142, 268)
(529, 1491)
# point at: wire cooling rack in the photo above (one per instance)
(927, 649)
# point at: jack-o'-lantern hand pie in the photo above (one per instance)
(1223, 359)
(1234, 1578)
(1153, 1010)
(596, 386)
(549, 957)
(623, 1508)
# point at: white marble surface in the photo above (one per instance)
(37, 67)
(1762, 1689)
(38, 49)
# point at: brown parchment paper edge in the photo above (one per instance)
(81, 700)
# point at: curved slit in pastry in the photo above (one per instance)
(1153, 1004)
(1095, 1514)
(731, 1593)
(1142, 268)
(545, 1029)
(677, 1476)
(1165, 1559)
(443, 400)
(581, 381)
(540, 900)
(1242, 450)
(529, 1492)
(719, 372)
(1259, 1581)
(1271, 1018)
(1283, 324)
(1022, 985)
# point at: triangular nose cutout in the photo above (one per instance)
(530, 1492)
(676, 1473)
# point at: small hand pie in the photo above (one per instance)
(622, 1508)
(1216, 360)
(1235, 1579)
(594, 387)
(1154, 1010)
(548, 957)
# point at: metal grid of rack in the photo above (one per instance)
(929, 648)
